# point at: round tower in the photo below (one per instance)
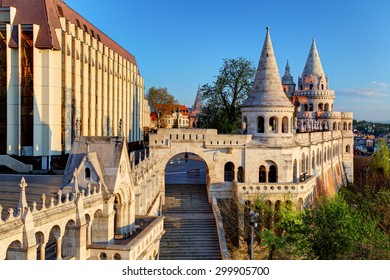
(267, 113)
(313, 94)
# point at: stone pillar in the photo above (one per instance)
(59, 248)
(42, 247)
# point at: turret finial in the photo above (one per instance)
(22, 200)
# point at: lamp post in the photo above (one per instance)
(253, 217)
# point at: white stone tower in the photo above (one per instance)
(267, 113)
(313, 94)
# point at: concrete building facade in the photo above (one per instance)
(60, 76)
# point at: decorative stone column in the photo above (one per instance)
(59, 248)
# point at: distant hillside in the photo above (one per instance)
(376, 128)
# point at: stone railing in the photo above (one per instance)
(324, 93)
(134, 247)
(221, 232)
(165, 138)
(260, 189)
(317, 136)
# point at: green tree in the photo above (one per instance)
(160, 100)
(224, 97)
(380, 160)
(332, 231)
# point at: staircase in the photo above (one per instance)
(14, 164)
(191, 232)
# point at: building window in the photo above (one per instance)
(348, 149)
(229, 172)
(87, 173)
(285, 125)
(273, 174)
(260, 125)
(262, 174)
(240, 174)
(273, 125)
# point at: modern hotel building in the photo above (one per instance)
(61, 77)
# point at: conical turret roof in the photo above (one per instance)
(267, 89)
(313, 63)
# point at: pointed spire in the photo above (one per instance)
(22, 199)
(287, 79)
(313, 63)
(267, 89)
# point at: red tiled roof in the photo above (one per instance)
(45, 13)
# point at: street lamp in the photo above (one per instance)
(253, 217)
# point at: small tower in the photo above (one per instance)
(288, 81)
(313, 94)
(267, 112)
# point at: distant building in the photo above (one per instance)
(60, 76)
(170, 116)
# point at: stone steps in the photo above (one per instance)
(191, 232)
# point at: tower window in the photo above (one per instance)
(87, 173)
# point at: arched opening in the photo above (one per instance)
(313, 164)
(14, 251)
(347, 149)
(334, 126)
(97, 229)
(311, 86)
(240, 175)
(116, 257)
(186, 199)
(338, 126)
(303, 163)
(87, 173)
(322, 86)
(53, 245)
(326, 107)
(186, 169)
(295, 171)
(345, 126)
(69, 240)
(245, 125)
(40, 239)
(260, 125)
(285, 125)
(262, 174)
(306, 108)
(350, 126)
(273, 174)
(229, 172)
(320, 107)
(311, 108)
(273, 125)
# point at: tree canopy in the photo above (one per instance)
(159, 100)
(224, 97)
(380, 160)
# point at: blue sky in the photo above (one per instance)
(180, 44)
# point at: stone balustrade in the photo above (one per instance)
(279, 189)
